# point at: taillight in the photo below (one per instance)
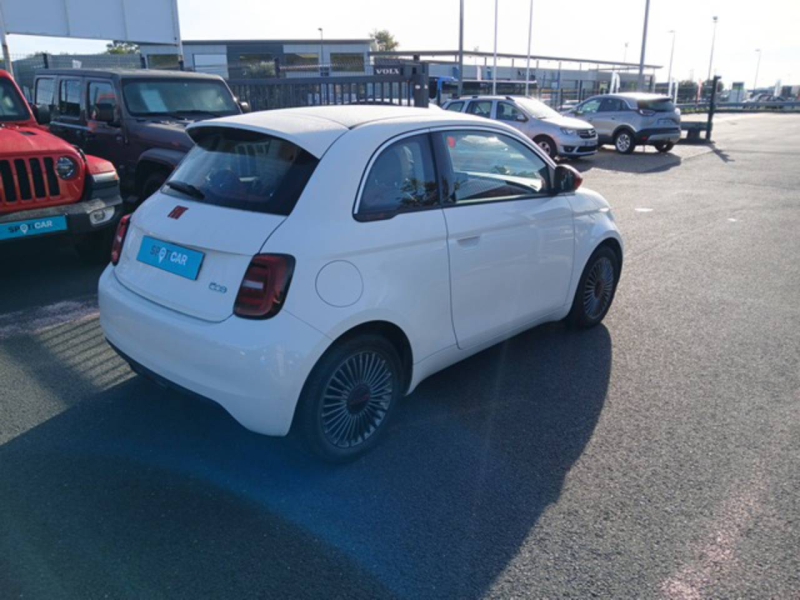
(264, 286)
(119, 239)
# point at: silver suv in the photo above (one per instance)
(630, 120)
(554, 133)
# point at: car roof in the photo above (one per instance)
(486, 97)
(126, 73)
(640, 96)
(315, 128)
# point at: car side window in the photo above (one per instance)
(69, 98)
(455, 106)
(589, 107)
(45, 91)
(610, 105)
(481, 108)
(101, 97)
(401, 178)
(508, 112)
(490, 167)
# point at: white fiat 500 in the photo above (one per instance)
(309, 267)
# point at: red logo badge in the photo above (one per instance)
(177, 212)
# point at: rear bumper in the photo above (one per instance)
(79, 218)
(254, 369)
(652, 136)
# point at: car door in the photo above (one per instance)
(510, 114)
(588, 111)
(104, 137)
(510, 241)
(608, 118)
(68, 120)
(480, 108)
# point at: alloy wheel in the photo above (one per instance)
(598, 288)
(356, 399)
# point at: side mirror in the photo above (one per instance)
(245, 106)
(41, 112)
(567, 179)
(104, 113)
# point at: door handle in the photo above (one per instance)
(469, 241)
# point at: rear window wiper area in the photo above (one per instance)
(186, 188)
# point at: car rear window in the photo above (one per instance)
(657, 105)
(242, 169)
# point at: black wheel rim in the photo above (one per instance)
(356, 399)
(598, 288)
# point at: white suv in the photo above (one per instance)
(311, 266)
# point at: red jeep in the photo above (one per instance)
(48, 187)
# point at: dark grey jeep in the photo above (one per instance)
(134, 118)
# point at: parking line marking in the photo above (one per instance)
(32, 321)
(644, 210)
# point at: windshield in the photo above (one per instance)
(245, 170)
(178, 98)
(12, 106)
(537, 109)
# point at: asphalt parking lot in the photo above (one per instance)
(655, 456)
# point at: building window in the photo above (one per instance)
(253, 66)
(306, 61)
(352, 62)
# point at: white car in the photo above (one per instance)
(311, 266)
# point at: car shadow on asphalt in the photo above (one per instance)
(643, 160)
(141, 492)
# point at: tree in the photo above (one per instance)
(386, 41)
(121, 48)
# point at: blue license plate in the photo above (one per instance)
(171, 258)
(32, 227)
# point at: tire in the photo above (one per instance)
(624, 142)
(596, 289)
(152, 184)
(664, 147)
(95, 248)
(547, 144)
(349, 398)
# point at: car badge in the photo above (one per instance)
(177, 212)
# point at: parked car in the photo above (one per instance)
(632, 119)
(555, 134)
(49, 188)
(135, 118)
(308, 267)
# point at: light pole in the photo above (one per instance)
(494, 66)
(461, 50)
(713, 39)
(625, 53)
(671, 55)
(321, 50)
(758, 64)
(530, 35)
(640, 78)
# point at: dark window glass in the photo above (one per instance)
(253, 66)
(12, 106)
(185, 97)
(352, 62)
(301, 62)
(101, 96)
(658, 105)
(401, 178)
(69, 98)
(455, 106)
(481, 108)
(489, 166)
(610, 105)
(508, 112)
(45, 91)
(244, 170)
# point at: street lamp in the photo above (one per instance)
(625, 53)
(530, 35)
(671, 55)
(494, 66)
(640, 78)
(758, 64)
(321, 49)
(713, 39)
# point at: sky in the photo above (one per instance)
(574, 28)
